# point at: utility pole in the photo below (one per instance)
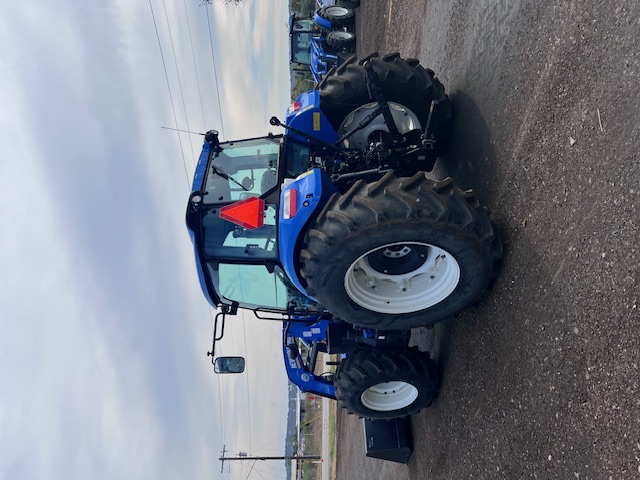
(284, 457)
(224, 448)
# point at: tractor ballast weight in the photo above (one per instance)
(336, 229)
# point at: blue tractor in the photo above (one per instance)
(335, 229)
(322, 42)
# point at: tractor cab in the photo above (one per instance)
(302, 31)
(232, 217)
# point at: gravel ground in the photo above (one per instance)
(542, 379)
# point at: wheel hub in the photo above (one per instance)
(402, 277)
(398, 259)
(404, 118)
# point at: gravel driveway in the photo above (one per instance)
(542, 379)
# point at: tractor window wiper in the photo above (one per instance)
(221, 173)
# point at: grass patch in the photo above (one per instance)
(312, 428)
(333, 436)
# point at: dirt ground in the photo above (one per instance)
(542, 379)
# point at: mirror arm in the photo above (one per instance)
(222, 315)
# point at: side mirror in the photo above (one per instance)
(229, 365)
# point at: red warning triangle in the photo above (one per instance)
(248, 213)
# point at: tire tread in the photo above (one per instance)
(389, 203)
(373, 365)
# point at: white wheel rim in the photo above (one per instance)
(402, 277)
(342, 35)
(388, 396)
(337, 11)
(404, 118)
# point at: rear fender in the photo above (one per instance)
(310, 119)
(322, 22)
(311, 192)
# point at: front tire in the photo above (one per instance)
(341, 41)
(380, 383)
(400, 253)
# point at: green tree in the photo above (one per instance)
(302, 82)
(303, 7)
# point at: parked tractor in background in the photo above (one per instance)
(322, 42)
(335, 228)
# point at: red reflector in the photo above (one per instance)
(290, 203)
(295, 106)
(247, 213)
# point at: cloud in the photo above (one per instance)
(253, 62)
(104, 330)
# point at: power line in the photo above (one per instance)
(271, 470)
(279, 438)
(246, 377)
(254, 464)
(215, 72)
(175, 60)
(195, 64)
(166, 76)
(220, 388)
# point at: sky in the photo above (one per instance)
(103, 327)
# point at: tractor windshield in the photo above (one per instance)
(242, 169)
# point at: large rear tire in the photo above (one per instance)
(400, 253)
(344, 97)
(379, 383)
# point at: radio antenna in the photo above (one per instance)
(185, 131)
